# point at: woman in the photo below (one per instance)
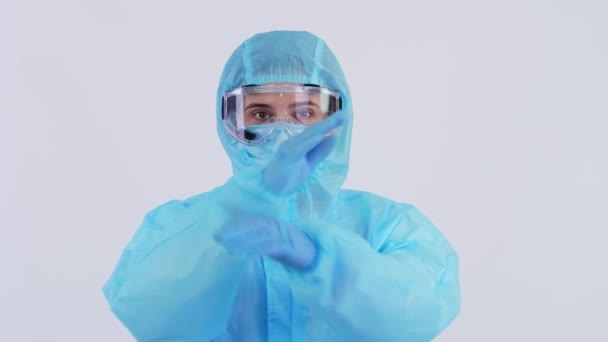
(280, 252)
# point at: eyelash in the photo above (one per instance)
(255, 113)
(308, 111)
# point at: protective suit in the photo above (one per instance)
(381, 270)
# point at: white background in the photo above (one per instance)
(489, 116)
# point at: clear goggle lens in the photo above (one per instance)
(251, 113)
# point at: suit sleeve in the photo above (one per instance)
(405, 290)
(174, 282)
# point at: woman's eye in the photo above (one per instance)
(261, 115)
(304, 114)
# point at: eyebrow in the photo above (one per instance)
(264, 105)
(311, 103)
(259, 105)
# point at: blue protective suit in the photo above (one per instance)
(383, 271)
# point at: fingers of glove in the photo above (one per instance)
(302, 143)
(238, 228)
(321, 151)
(231, 235)
(260, 246)
(250, 242)
(252, 235)
(302, 255)
(247, 225)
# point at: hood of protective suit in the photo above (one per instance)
(298, 57)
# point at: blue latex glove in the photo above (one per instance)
(297, 157)
(266, 236)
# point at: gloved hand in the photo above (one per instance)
(297, 157)
(266, 236)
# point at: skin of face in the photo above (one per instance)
(301, 108)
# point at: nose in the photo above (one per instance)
(285, 117)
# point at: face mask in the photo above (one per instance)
(278, 134)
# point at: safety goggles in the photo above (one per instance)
(252, 113)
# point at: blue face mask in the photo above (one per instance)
(276, 132)
(279, 133)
